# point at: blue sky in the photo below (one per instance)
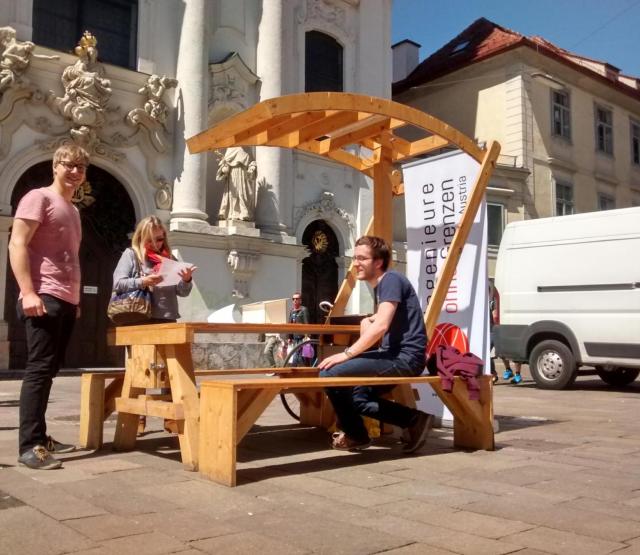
(607, 30)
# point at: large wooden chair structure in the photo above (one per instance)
(370, 135)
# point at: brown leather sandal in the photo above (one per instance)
(341, 442)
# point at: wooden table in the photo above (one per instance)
(159, 356)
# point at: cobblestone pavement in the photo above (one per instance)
(565, 479)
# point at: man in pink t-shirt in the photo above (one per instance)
(44, 254)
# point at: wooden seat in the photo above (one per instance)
(100, 392)
(230, 407)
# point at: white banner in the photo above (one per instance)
(436, 194)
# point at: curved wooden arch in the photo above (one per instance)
(329, 124)
(368, 134)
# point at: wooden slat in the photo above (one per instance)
(383, 197)
(218, 434)
(330, 124)
(91, 411)
(356, 135)
(127, 424)
(145, 406)
(183, 332)
(183, 389)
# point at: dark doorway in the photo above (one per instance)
(319, 269)
(107, 217)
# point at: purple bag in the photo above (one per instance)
(307, 351)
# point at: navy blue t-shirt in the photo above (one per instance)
(406, 336)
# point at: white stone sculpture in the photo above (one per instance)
(154, 90)
(87, 93)
(237, 171)
(16, 57)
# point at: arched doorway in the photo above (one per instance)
(107, 217)
(319, 269)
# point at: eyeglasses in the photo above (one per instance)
(362, 258)
(70, 166)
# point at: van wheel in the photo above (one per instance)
(617, 377)
(552, 365)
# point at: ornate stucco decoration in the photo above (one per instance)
(328, 15)
(243, 266)
(152, 118)
(87, 93)
(231, 87)
(16, 57)
(324, 208)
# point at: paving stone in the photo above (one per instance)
(433, 492)
(458, 542)
(54, 502)
(575, 488)
(559, 517)
(247, 542)
(361, 478)
(103, 466)
(187, 526)
(144, 544)
(106, 527)
(417, 548)
(324, 536)
(561, 542)
(452, 519)
(25, 531)
(609, 508)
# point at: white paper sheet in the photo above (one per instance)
(169, 271)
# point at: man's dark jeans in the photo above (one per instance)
(351, 402)
(47, 339)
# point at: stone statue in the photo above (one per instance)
(16, 57)
(154, 89)
(237, 171)
(87, 92)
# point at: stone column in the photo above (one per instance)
(189, 190)
(5, 225)
(275, 165)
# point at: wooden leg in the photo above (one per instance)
(472, 420)
(111, 392)
(91, 411)
(250, 405)
(183, 390)
(218, 433)
(127, 424)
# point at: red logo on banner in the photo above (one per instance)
(448, 335)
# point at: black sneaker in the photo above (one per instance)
(54, 446)
(39, 458)
(418, 433)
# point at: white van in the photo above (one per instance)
(569, 291)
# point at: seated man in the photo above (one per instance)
(399, 323)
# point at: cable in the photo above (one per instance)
(607, 22)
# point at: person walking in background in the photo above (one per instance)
(298, 315)
(494, 317)
(44, 256)
(399, 323)
(138, 269)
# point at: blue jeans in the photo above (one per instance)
(352, 402)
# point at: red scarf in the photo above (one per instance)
(154, 257)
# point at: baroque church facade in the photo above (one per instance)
(131, 80)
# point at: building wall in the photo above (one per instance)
(263, 260)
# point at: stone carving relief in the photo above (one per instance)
(87, 93)
(237, 172)
(324, 208)
(16, 57)
(153, 116)
(243, 266)
(327, 14)
(231, 86)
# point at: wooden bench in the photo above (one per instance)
(99, 400)
(230, 407)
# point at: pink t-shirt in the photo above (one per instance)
(54, 247)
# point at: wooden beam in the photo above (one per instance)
(460, 238)
(383, 197)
